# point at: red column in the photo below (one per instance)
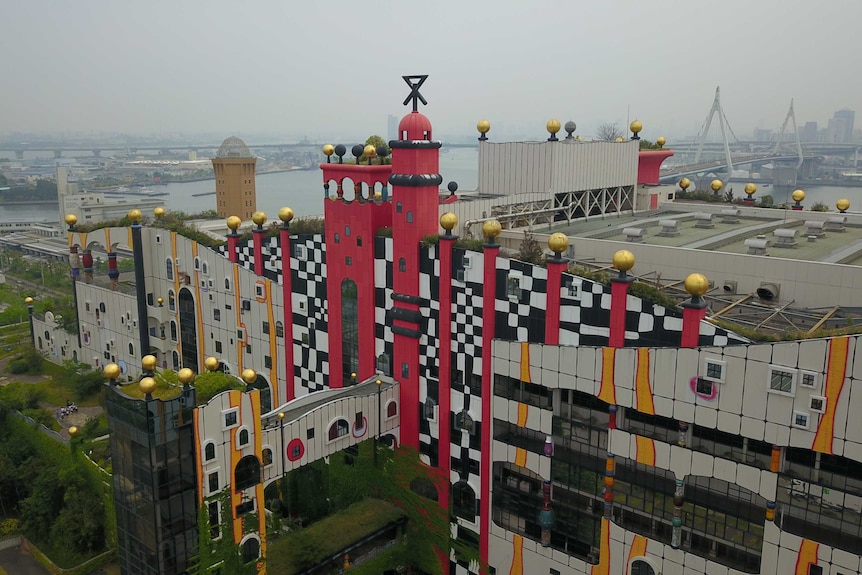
(287, 300)
(556, 267)
(232, 243)
(258, 235)
(692, 312)
(489, 292)
(444, 323)
(619, 295)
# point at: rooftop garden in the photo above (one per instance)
(207, 384)
(173, 221)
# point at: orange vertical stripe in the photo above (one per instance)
(807, 556)
(835, 373)
(607, 391)
(523, 412)
(525, 362)
(107, 240)
(273, 349)
(175, 311)
(520, 457)
(517, 556)
(643, 389)
(258, 452)
(638, 549)
(82, 237)
(70, 236)
(235, 399)
(604, 566)
(238, 312)
(199, 312)
(645, 450)
(129, 230)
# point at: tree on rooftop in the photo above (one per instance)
(608, 132)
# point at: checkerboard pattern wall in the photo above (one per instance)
(308, 280)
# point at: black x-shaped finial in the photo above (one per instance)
(414, 90)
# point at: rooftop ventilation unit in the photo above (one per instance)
(768, 291)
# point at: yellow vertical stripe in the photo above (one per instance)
(273, 347)
(807, 556)
(199, 311)
(643, 388)
(108, 240)
(235, 399)
(130, 242)
(835, 373)
(604, 566)
(517, 556)
(607, 391)
(523, 412)
(645, 450)
(525, 362)
(175, 311)
(70, 236)
(520, 457)
(258, 452)
(82, 238)
(638, 549)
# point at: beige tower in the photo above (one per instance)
(234, 175)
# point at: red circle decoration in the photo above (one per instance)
(295, 449)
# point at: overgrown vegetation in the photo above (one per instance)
(207, 384)
(303, 226)
(28, 361)
(531, 251)
(639, 289)
(174, 221)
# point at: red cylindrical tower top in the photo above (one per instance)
(414, 126)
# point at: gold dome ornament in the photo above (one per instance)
(149, 362)
(71, 219)
(491, 229)
(233, 223)
(716, 185)
(696, 284)
(159, 212)
(798, 196)
(328, 150)
(249, 376)
(684, 183)
(660, 141)
(623, 261)
(285, 215)
(448, 221)
(750, 188)
(185, 376)
(73, 431)
(259, 218)
(483, 126)
(843, 205)
(553, 126)
(636, 127)
(147, 385)
(211, 363)
(160, 300)
(558, 242)
(111, 371)
(369, 151)
(28, 300)
(620, 139)
(135, 216)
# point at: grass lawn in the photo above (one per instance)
(329, 535)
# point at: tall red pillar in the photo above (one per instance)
(694, 310)
(233, 224)
(258, 235)
(286, 215)
(623, 261)
(558, 243)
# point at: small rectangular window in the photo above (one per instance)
(309, 434)
(218, 347)
(230, 418)
(266, 327)
(248, 348)
(405, 370)
(348, 261)
(267, 361)
(213, 482)
(807, 379)
(800, 419)
(816, 570)
(216, 314)
(782, 380)
(713, 369)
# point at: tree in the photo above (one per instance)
(608, 132)
(377, 141)
(531, 251)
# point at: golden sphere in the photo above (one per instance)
(798, 195)
(73, 431)
(696, 284)
(378, 194)
(843, 204)
(281, 415)
(135, 216)
(684, 183)
(149, 362)
(71, 219)
(620, 139)
(491, 229)
(558, 242)
(111, 371)
(159, 212)
(233, 223)
(185, 375)
(553, 126)
(328, 150)
(636, 127)
(660, 141)
(448, 221)
(147, 385)
(211, 363)
(623, 260)
(28, 300)
(285, 214)
(716, 185)
(369, 151)
(750, 188)
(160, 300)
(258, 218)
(484, 126)
(379, 382)
(249, 376)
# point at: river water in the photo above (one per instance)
(302, 190)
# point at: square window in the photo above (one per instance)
(808, 379)
(817, 403)
(258, 290)
(574, 290)
(800, 419)
(782, 380)
(815, 570)
(703, 387)
(230, 418)
(713, 369)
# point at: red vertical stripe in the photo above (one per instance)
(691, 317)
(619, 295)
(232, 243)
(552, 307)
(258, 236)
(287, 300)
(488, 305)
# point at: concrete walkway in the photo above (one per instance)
(16, 562)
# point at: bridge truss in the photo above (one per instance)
(716, 110)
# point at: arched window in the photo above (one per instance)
(176, 360)
(209, 451)
(409, 217)
(173, 330)
(169, 268)
(131, 349)
(402, 265)
(641, 567)
(392, 408)
(424, 487)
(197, 263)
(205, 268)
(247, 473)
(227, 284)
(464, 501)
(279, 329)
(339, 428)
(267, 457)
(383, 364)
(172, 300)
(464, 422)
(250, 550)
(347, 231)
(242, 437)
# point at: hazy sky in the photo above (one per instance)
(330, 68)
